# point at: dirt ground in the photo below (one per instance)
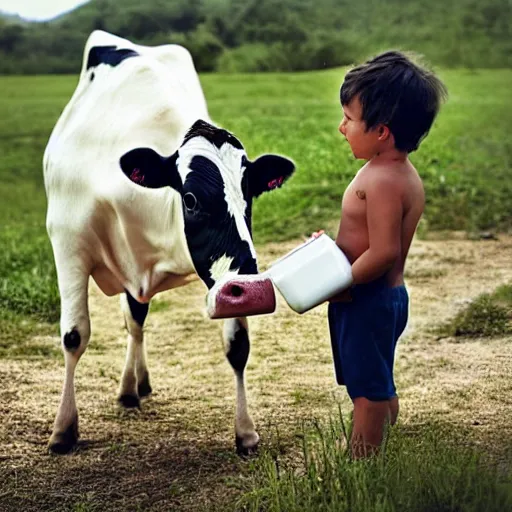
(177, 452)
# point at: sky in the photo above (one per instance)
(38, 9)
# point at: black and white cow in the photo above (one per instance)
(145, 193)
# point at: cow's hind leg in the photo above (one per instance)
(236, 338)
(135, 377)
(73, 278)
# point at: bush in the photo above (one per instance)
(247, 58)
(487, 316)
(316, 53)
(204, 47)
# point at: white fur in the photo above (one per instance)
(221, 267)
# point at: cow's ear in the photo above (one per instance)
(147, 168)
(268, 172)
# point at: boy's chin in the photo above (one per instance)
(359, 156)
(363, 155)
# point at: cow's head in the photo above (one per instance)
(217, 184)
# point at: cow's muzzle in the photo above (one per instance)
(241, 295)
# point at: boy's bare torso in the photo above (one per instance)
(353, 235)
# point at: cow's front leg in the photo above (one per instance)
(135, 377)
(237, 346)
(75, 330)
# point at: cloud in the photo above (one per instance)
(37, 9)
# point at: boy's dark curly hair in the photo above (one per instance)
(395, 91)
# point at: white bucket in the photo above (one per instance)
(311, 273)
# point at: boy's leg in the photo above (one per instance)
(394, 408)
(368, 423)
(364, 334)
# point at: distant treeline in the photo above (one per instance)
(270, 35)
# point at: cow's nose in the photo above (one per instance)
(243, 295)
(236, 290)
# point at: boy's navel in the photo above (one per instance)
(361, 194)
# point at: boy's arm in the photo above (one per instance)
(384, 220)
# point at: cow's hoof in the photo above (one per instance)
(63, 442)
(144, 387)
(129, 401)
(247, 445)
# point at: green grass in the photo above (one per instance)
(423, 470)
(488, 315)
(465, 162)
(16, 337)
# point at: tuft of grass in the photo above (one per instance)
(82, 506)
(419, 473)
(303, 396)
(486, 316)
(504, 294)
(17, 338)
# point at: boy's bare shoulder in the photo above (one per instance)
(392, 179)
(397, 173)
(377, 174)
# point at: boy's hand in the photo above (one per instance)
(344, 296)
(316, 234)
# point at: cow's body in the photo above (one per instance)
(124, 231)
(132, 108)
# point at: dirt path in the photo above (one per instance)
(177, 452)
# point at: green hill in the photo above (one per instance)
(9, 18)
(275, 35)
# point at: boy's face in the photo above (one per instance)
(364, 143)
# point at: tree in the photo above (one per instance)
(11, 35)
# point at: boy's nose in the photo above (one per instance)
(341, 128)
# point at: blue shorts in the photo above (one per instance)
(364, 334)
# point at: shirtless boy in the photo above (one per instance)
(389, 104)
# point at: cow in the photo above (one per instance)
(146, 193)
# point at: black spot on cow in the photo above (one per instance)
(72, 340)
(239, 350)
(139, 311)
(207, 168)
(216, 136)
(144, 387)
(109, 55)
(206, 184)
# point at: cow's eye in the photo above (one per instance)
(190, 201)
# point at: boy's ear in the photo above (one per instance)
(383, 132)
(268, 172)
(147, 168)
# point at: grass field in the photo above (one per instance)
(466, 163)
(452, 450)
